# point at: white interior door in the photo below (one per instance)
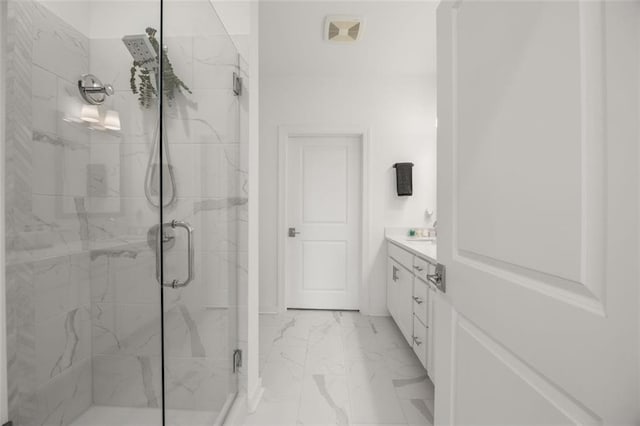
(538, 213)
(324, 198)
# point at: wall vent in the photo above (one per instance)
(343, 29)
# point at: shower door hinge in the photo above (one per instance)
(237, 360)
(237, 84)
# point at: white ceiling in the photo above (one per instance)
(398, 38)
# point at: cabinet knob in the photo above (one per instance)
(418, 268)
(417, 300)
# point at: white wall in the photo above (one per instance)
(385, 84)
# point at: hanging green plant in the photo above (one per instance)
(143, 86)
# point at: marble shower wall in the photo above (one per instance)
(84, 305)
(48, 324)
(200, 320)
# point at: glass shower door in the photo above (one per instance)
(84, 321)
(201, 199)
(107, 201)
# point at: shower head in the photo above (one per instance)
(141, 49)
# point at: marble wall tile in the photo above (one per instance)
(126, 329)
(69, 105)
(52, 346)
(18, 167)
(220, 272)
(211, 116)
(44, 88)
(62, 342)
(57, 46)
(215, 60)
(50, 368)
(127, 381)
(185, 160)
(59, 401)
(125, 275)
(220, 171)
(196, 384)
(133, 163)
(196, 332)
(219, 224)
(47, 160)
(12, 327)
(61, 285)
(106, 181)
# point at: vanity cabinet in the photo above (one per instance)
(410, 299)
(399, 297)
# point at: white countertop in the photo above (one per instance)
(427, 249)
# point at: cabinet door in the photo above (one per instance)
(392, 286)
(404, 304)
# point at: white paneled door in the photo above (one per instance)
(538, 213)
(324, 221)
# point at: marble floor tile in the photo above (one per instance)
(274, 414)
(373, 395)
(326, 367)
(294, 354)
(284, 381)
(324, 400)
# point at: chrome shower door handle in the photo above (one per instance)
(190, 256)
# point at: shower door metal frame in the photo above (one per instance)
(4, 396)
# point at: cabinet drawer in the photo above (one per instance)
(401, 256)
(420, 340)
(422, 268)
(421, 301)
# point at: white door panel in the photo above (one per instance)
(324, 205)
(537, 200)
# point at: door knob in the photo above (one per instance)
(293, 232)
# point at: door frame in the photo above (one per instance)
(285, 133)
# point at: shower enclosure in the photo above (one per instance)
(125, 196)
